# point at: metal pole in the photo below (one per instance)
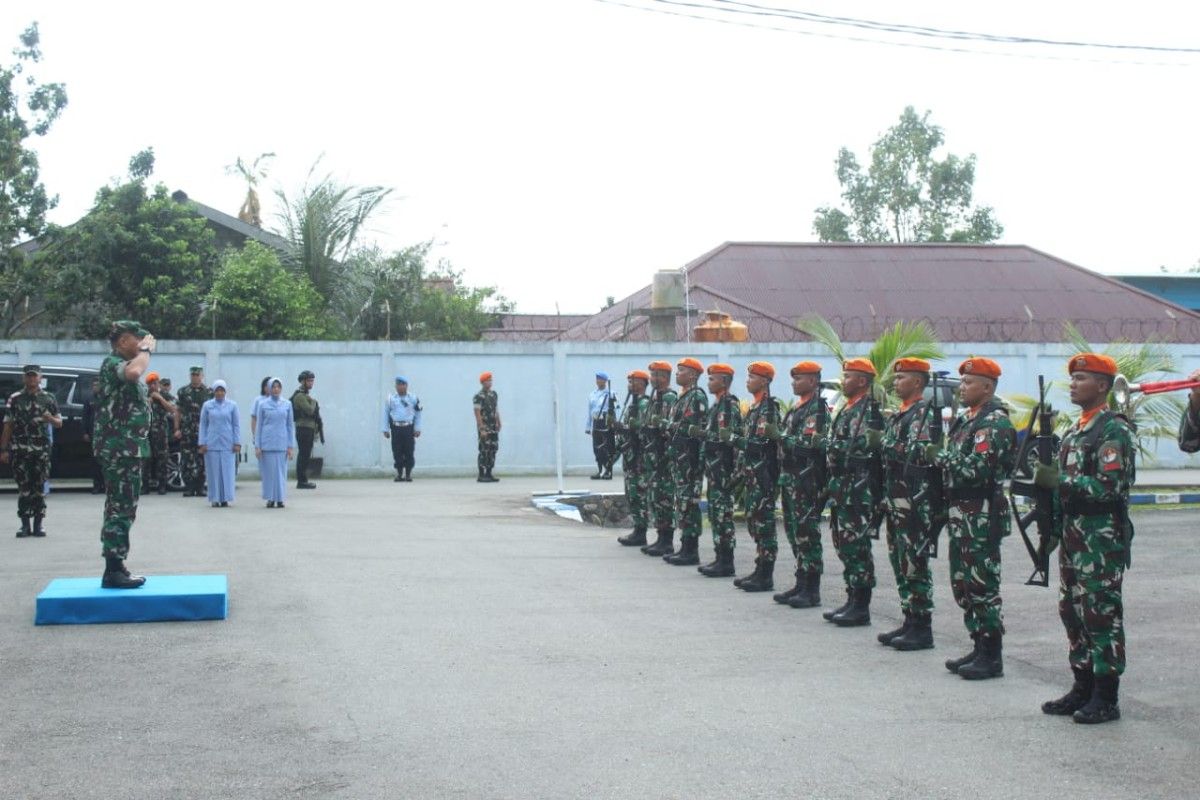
(559, 359)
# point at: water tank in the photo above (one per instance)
(720, 327)
(667, 289)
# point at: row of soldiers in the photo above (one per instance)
(898, 471)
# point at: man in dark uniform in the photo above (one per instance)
(164, 426)
(632, 456)
(191, 399)
(722, 427)
(486, 405)
(602, 418)
(88, 423)
(307, 414)
(661, 487)
(759, 453)
(29, 412)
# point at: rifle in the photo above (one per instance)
(935, 485)
(1043, 514)
(872, 480)
(766, 468)
(608, 436)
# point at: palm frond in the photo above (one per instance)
(823, 333)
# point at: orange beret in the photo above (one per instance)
(485, 376)
(980, 366)
(911, 365)
(806, 368)
(659, 366)
(151, 376)
(859, 365)
(1093, 362)
(691, 363)
(762, 368)
(639, 374)
(720, 369)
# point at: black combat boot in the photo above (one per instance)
(1077, 698)
(764, 578)
(739, 581)
(688, 555)
(801, 582)
(955, 664)
(989, 663)
(831, 613)
(482, 476)
(658, 532)
(811, 596)
(38, 530)
(859, 610)
(399, 476)
(888, 636)
(599, 473)
(919, 635)
(25, 529)
(492, 478)
(664, 545)
(408, 475)
(117, 577)
(635, 537)
(1103, 705)
(722, 566)
(607, 474)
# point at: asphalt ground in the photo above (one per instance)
(444, 639)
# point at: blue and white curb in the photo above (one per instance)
(550, 501)
(1163, 498)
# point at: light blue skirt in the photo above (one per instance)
(272, 468)
(219, 467)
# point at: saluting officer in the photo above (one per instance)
(402, 424)
(29, 412)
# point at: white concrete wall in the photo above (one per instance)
(354, 379)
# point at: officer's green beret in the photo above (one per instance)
(31, 369)
(195, 370)
(126, 326)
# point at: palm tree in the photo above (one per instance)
(251, 211)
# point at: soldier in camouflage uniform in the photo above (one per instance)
(802, 478)
(487, 425)
(191, 399)
(164, 425)
(1093, 475)
(122, 441)
(721, 428)
(29, 412)
(904, 441)
(979, 456)
(687, 467)
(661, 496)
(759, 461)
(855, 436)
(633, 462)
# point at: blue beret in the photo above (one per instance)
(401, 379)
(603, 375)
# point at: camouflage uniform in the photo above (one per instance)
(760, 469)
(190, 402)
(661, 495)
(850, 491)
(904, 439)
(803, 446)
(978, 459)
(724, 414)
(487, 401)
(161, 423)
(121, 442)
(30, 444)
(1098, 468)
(633, 416)
(683, 452)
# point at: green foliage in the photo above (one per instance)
(254, 296)
(27, 108)
(906, 194)
(141, 166)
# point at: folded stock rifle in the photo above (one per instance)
(1043, 513)
(934, 492)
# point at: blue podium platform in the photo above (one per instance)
(81, 601)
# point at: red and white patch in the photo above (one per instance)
(720, 419)
(981, 442)
(810, 426)
(1110, 459)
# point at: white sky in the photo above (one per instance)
(564, 150)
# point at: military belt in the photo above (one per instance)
(970, 493)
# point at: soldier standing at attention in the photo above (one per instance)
(854, 441)
(760, 465)
(487, 425)
(164, 423)
(29, 412)
(402, 424)
(633, 464)
(802, 477)
(191, 399)
(307, 413)
(602, 413)
(978, 458)
(687, 471)
(1094, 472)
(904, 441)
(661, 496)
(122, 441)
(722, 427)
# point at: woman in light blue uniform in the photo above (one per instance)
(220, 441)
(274, 443)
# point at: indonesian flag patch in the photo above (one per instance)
(810, 426)
(1110, 458)
(981, 442)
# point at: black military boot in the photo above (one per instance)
(722, 566)
(607, 474)
(764, 578)
(811, 596)
(408, 475)
(658, 532)
(1077, 698)
(635, 537)
(492, 478)
(482, 476)
(117, 577)
(739, 581)
(688, 555)
(1103, 705)
(888, 636)
(989, 663)
(801, 583)
(829, 615)
(919, 635)
(955, 664)
(664, 545)
(25, 529)
(38, 530)
(599, 473)
(859, 610)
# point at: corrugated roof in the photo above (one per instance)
(969, 293)
(531, 327)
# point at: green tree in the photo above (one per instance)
(906, 194)
(27, 108)
(254, 296)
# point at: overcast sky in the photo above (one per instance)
(564, 150)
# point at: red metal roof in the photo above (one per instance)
(969, 293)
(531, 327)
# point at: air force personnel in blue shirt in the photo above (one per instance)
(402, 424)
